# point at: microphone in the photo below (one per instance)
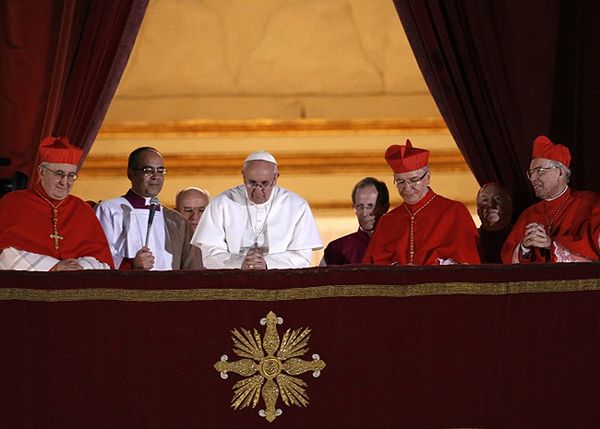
(154, 203)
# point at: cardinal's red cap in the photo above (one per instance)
(59, 150)
(406, 158)
(544, 148)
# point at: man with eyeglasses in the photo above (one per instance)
(371, 200)
(427, 229)
(47, 229)
(257, 225)
(165, 244)
(191, 203)
(556, 229)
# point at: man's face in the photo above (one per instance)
(493, 207)
(147, 184)
(365, 207)
(192, 204)
(547, 180)
(57, 187)
(413, 185)
(259, 178)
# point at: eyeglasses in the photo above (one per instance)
(71, 177)
(262, 185)
(362, 207)
(411, 181)
(151, 171)
(540, 171)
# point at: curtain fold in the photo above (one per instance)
(60, 64)
(500, 74)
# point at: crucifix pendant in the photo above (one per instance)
(56, 237)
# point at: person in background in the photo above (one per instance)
(257, 225)
(191, 203)
(163, 246)
(494, 208)
(46, 228)
(371, 200)
(427, 229)
(556, 229)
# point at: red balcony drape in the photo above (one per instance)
(60, 63)
(404, 347)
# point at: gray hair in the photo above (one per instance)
(46, 164)
(564, 168)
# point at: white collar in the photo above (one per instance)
(557, 196)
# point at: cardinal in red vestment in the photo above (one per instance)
(427, 229)
(556, 229)
(46, 228)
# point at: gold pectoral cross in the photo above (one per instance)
(56, 237)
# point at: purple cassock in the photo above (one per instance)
(348, 249)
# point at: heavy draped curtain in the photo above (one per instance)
(503, 72)
(60, 64)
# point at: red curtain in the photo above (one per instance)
(503, 72)
(60, 64)
(505, 346)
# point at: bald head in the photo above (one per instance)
(191, 203)
(494, 207)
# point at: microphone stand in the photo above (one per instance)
(154, 203)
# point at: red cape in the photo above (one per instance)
(443, 229)
(570, 229)
(26, 224)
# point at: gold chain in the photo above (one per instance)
(55, 236)
(411, 250)
(556, 213)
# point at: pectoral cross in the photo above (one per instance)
(56, 237)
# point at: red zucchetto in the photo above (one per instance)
(544, 148)
(59, 150)
(406, 158)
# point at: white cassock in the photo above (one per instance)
(283, 228)
(125, 228)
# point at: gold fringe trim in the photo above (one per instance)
(292, 294)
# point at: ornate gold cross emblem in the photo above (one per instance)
(270, 367)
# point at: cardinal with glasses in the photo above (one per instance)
(556, 229)
(142, 234)
(427, 229)
(47, 229)
(257, 225)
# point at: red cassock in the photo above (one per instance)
(442, 229)
(26, 224)
(568, 219)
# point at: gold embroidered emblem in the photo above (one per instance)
(270, 368)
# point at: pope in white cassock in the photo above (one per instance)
(257, 225)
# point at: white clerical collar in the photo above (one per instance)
(559, 195)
